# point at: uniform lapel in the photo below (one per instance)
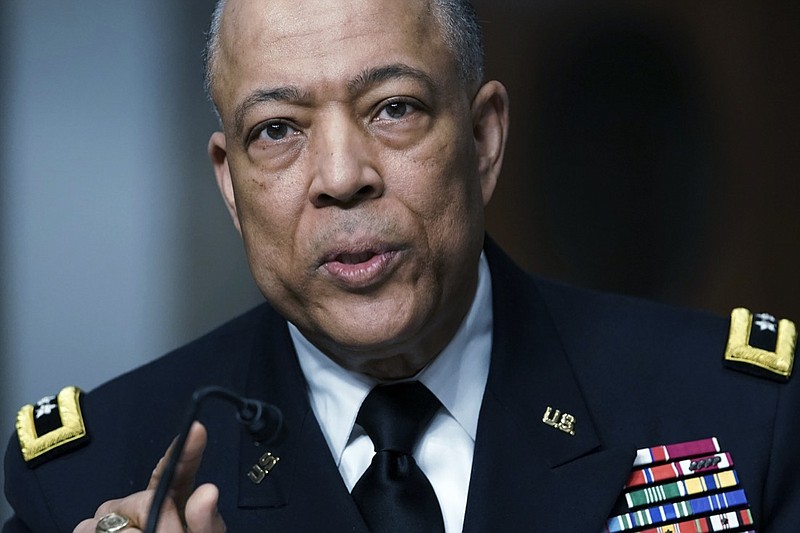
(303, 491)
(529, 474)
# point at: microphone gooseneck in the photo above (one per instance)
(264, 422)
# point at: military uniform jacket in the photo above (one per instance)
(629, 373)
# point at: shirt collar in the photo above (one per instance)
(457, 376)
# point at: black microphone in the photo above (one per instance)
(264, 422)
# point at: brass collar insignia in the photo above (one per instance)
(561, 421)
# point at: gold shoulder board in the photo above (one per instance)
(52, 426)
(761, 344)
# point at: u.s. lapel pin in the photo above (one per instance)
(263, 467)
(561, 421)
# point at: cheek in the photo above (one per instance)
(267, 198)
(269, 214)
(455, 208)
(262, 222)
(440, 184)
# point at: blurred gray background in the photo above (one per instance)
(654, 151)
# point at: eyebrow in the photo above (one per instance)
(374, 76)
(260, 96)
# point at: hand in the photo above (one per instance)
(186, 509)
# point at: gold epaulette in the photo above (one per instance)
(52, 426)
(761, 344)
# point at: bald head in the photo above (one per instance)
(455, 18)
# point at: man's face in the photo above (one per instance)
(355, 164)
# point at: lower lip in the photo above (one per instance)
(362, 275)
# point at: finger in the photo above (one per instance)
(136, 508)
(202, 515)
(90, 524)
(183, 482)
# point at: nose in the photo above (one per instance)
(344, 168)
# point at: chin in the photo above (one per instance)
(364, 334)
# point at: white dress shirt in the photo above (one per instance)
(457, 377)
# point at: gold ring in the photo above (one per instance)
(113, 522)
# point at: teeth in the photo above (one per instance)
(353, 259)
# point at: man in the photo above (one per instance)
(359, 148)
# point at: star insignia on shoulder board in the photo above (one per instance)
(766, 322)
(45, 406)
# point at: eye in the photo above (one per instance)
(277, 130)
(272, 131)
(395, 110)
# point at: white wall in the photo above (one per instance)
(115, 247)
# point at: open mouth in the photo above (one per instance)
(360, 269)
(355, 258)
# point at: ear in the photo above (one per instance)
(489, 132)
(219, 159)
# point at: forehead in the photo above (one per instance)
(319, 42)
(276, 20)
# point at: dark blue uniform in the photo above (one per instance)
(623, 375)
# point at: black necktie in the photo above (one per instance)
(393, 495)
